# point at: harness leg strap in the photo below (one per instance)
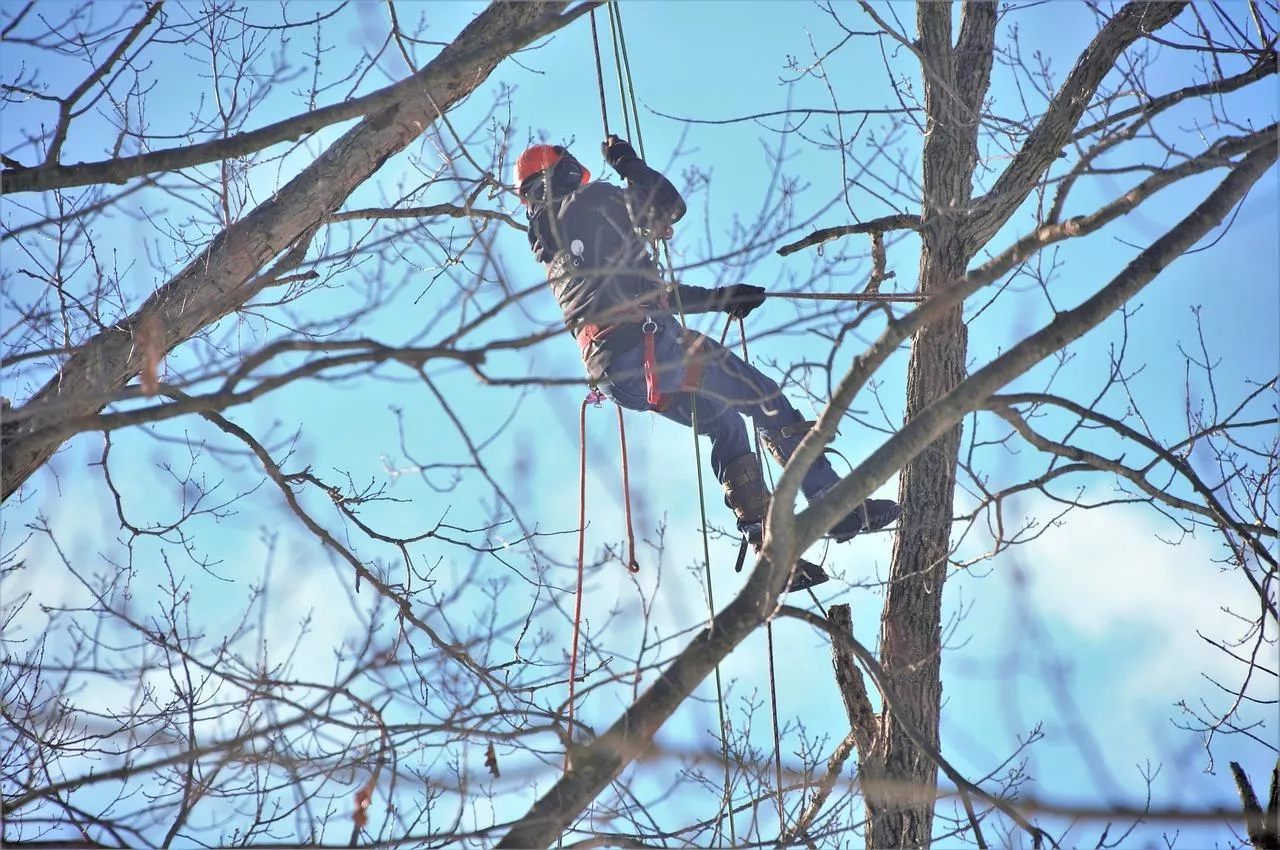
(773, 441)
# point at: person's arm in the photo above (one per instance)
(655, 202)
(737, 299)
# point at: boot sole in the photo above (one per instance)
(881, 521)
(807, 575)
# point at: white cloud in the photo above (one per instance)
(1106, 575)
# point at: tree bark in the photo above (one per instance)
(955, 82)
(1261, 825)
(954, 227)
(228, 273)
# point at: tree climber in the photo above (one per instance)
(591, 237)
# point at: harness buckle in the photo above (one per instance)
(650, 327)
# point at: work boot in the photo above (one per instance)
(871, 515)
(748, 498)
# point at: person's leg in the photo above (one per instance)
(732, 460)
(745, 389)
(624, 382)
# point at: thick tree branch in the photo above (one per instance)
(862, 717)
(1262, 825)
(1065, 328)
(1054, 131)
(222, 277)
(975, 53)
(525, 28)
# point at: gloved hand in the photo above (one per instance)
(618, 153)
(739, 299)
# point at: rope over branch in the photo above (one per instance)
(850, 296)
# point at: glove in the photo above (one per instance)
(618, 153)
(739, 299)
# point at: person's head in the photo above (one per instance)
(547, 171)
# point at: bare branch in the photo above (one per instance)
(450, 61)
(902, 221)
(1054, 130)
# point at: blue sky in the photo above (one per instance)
(1099, 609)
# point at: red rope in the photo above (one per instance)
(582, 543)
(632, 564)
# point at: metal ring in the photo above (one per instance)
(649, 327)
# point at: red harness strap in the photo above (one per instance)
(652, 382)
(689, 382)
(693, 366)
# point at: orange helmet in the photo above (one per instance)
(540, 158)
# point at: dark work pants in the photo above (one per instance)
(731, 388)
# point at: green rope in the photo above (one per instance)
(595, 42)
(625, 67)
(727, 802)
(614, 28)
(623, 60)
(773, 679)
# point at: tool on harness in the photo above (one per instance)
(652, 381)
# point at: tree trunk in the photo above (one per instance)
(900, 805)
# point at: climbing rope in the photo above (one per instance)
(595, 43)
(582, 541)
(630, 112)
(595, 397)
(711, 597)
(632, 563)
(773, 682)
(768, 627)
(623, 62)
